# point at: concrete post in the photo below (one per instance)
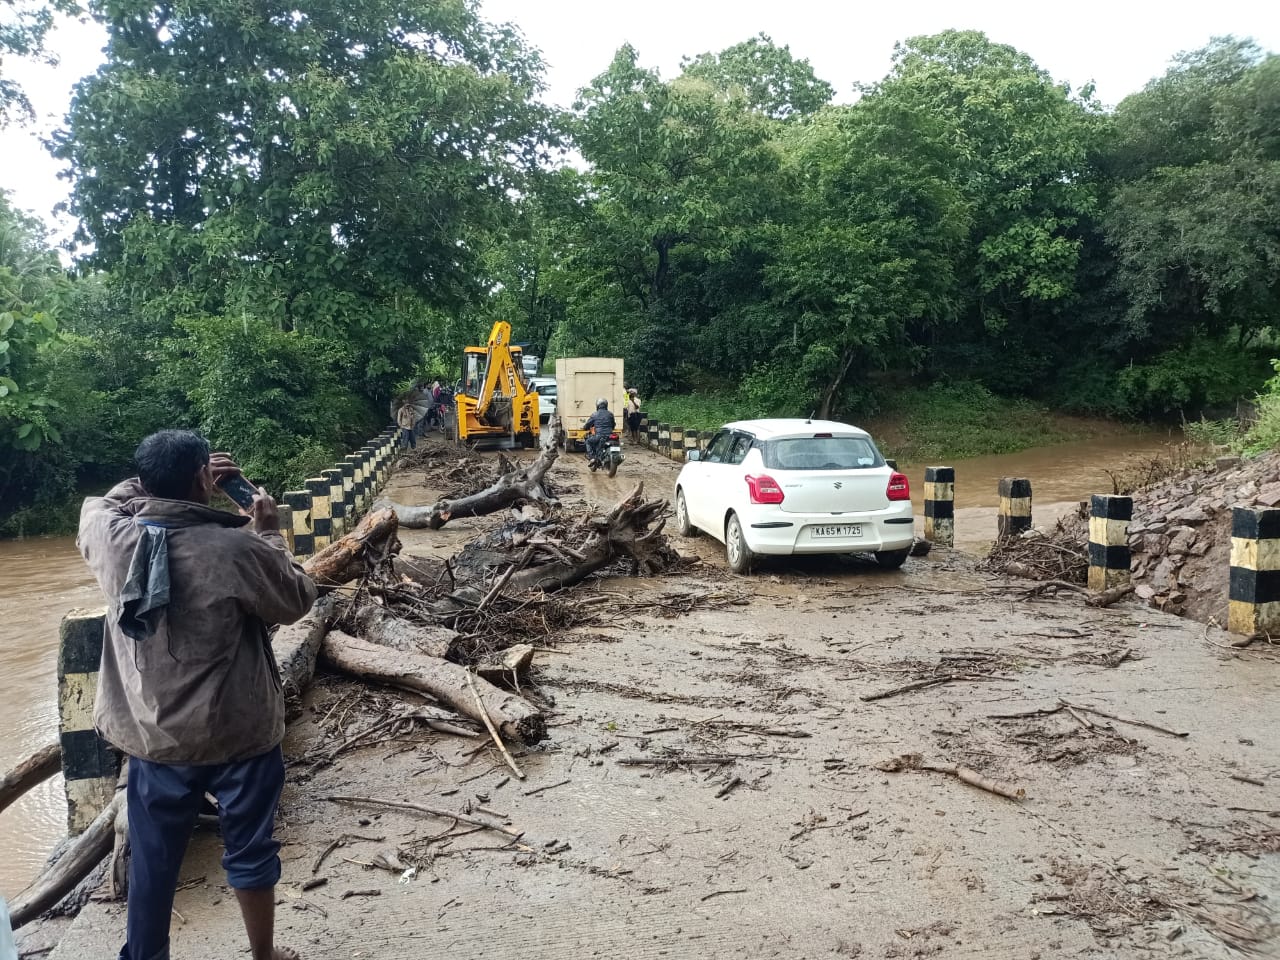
(285, 513)
(370, 454)
(1253, 605)
(90, 766)
(676, 451)
(664, 439)
(337, 508)
(644, 429)
(652, 436)
(304, 541)
(348, 490)
(940, 505)
(690, 442)
(321, 515)
(1015, 506)
(357, 482)
(1109, 541)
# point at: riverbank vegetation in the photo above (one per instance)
(285, 219)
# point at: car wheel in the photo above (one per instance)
(683, 526)
(736, 550)
(892, 559)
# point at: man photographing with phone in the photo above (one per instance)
(189, 688)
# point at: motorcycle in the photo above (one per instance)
(610, 456)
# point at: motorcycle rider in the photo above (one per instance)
(598, 426)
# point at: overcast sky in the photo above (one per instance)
(1119, 44)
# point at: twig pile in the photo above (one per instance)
(1058, 554)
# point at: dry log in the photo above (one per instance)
(348, 558)
(379, 625)
(36, 769)
(515, 717)
(515, 486)
(913, 761)
(296, 646)
(515, 662)
(84, 853)
(1107, 597)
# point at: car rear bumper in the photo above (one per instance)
(779, 533)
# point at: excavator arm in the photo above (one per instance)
(480, 414)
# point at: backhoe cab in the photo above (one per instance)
(496, 406)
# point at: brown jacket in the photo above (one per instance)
(204, 687)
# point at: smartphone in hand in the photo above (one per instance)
(239, 490)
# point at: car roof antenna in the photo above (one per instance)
(811, 416)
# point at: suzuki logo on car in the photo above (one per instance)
(839, 484)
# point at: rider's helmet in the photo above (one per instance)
(602, 403)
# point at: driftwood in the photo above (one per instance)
(348, 558)
(1104, 599)
(36, 769)
(517, 484)
(379, 625)
(84, 853)
(513, 663)
(514, 717)
(913, 761)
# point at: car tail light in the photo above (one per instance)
(764, 489)
(899, 488)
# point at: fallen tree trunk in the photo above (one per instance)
(296, 647)
(379, 625)
(352, 556)
(36, 769)
(516, 485)
(514, 716)
(84, 853)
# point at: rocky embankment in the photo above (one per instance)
(1180, 537)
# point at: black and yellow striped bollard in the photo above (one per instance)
(304, 541)
(348, 489)
(337, 506)
(652, 436)
(90, 766)
(1109, 541)
(644, 429)
(357, 482)
(1015, 507)
(664, 439)
(676, 450)
(1253, 607)
(690, 442)
(940, 506)
(321, 517)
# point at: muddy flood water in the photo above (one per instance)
(41, 579)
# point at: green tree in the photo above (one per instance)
(870, 253)
(681, 176)
(1021, 153)
(319, 166)
(1192, 222)
(24, 25)
(766, 76)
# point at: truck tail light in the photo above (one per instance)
(764, 489)
(899, 488)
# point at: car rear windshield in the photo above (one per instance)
(821, 453)
(546, 389)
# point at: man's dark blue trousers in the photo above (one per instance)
(164, 800)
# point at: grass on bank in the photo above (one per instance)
(939, 422)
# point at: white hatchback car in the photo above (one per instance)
(795, 486)
(545, 387)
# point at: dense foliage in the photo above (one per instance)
(289, 211)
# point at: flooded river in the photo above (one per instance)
(41, 579)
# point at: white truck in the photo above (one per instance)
(580, 381)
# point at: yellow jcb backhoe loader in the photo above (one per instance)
(496, 406)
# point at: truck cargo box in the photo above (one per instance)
(580, 381)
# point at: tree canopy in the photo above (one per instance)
(288, 213)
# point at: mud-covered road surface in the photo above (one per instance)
(710, 786)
